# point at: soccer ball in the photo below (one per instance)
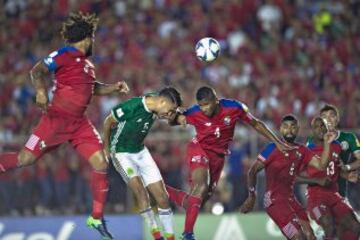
(207, 49)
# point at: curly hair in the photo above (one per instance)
(79, 26)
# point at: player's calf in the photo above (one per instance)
(327, 224)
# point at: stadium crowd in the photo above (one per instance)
(277, 56)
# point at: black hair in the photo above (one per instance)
(329, 107)
(172, 94)
(78, 27)
(290, 117)
(205, 92)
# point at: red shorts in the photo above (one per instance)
(287, 215)
(327, 203)
(200, 158)
(55, 129)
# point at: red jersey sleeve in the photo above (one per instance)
(307, 156)
(190, 114)
(242, 111)
(52, 61)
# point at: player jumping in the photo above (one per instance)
(133, 120)
(325, 205)
(281, 170)
(214, 120)
(64, 119)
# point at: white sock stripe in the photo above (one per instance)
(162, 211)
(145, 210)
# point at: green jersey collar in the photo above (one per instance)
(143, 101)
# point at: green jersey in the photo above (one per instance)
(349, 145)
(134, 121)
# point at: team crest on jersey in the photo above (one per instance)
(344, 145)
(335, 155)
(227, 120)
(298, 155)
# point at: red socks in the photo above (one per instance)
(8, 161)
(192, 211)
(99, 188)
(177, 196)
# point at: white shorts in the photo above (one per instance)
(139, 164)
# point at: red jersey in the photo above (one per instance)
(281, 170)
(332, 171)
(74, 80)
(216, 133)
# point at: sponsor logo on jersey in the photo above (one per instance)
(208, 124)
(344, 145)
(139, 120)
(227, 120)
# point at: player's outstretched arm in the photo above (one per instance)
(108, 123)
(322, 162)
(353, 176)
(249, 203)
(37, 76)
(261, 128)
(106, 89)
(178, 119)
(313, 181)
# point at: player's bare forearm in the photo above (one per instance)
(179, 119)
(108, 123)
(249, 203)
(102, 89)
(261, 128)
(307, 180)
(37, 76)
(354, 165)
(252, 174)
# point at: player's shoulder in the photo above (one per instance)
(61, 51)
(346, 135)
(233, 104)
(336, 144)
(310, 144)
(191, 110)
(269, 148)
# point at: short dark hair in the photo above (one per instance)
(317, 118)
(172, 94)
(79, 26)
(329, 107)
(205, 92)
(290, 117)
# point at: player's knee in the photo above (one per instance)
(163, 201)
(200, 190)
(98, 162)
(328, 229)
(298, 236)
(26, 158)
